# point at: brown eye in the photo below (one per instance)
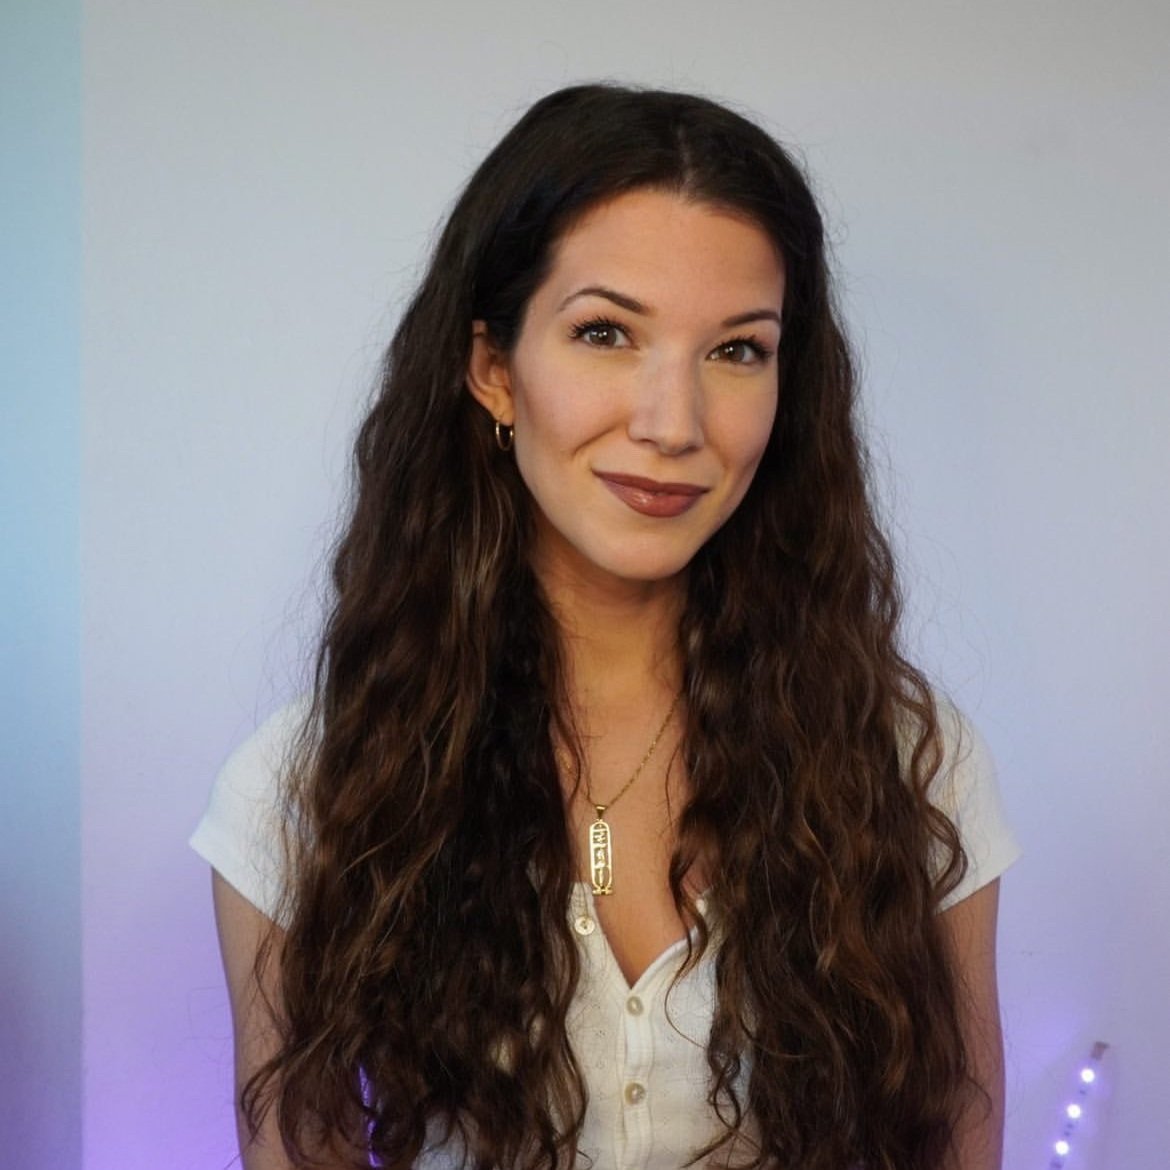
(741, 351)
(601, 334)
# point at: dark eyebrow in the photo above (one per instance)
(752, 315)
(636, 306)
(609, 294)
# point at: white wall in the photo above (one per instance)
(261, 183)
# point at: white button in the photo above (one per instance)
(634, 1006)
(583, 924)
(635, 1093)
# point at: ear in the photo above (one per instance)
(489, 378)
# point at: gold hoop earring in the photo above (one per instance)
(505, 436)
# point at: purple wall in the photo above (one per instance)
(260, 183)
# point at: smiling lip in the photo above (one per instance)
(651, 497)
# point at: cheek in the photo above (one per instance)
(549, 428)
(558, 410)
(747, 431)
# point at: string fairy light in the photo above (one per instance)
(1075, 1110)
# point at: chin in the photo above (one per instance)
(646, 570)
(600, 558)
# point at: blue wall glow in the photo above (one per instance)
(40, 262)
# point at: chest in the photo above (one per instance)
(642, 1047)
(642, 1050)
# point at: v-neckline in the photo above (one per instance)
(588, 905)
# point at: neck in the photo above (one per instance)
(619, 642)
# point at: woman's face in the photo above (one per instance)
(642, 385)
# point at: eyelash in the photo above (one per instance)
(579, 330)
(762, 352)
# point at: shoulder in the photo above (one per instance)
(241, 833)
(966, 789)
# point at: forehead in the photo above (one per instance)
(662, 247)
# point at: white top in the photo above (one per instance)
(642, 1052)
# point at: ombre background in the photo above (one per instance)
(210, 214)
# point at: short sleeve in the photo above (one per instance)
(967, 791)
(240, 834)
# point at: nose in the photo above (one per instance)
(667, 408)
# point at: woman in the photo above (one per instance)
(618, 832)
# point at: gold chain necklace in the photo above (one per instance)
(600, 835)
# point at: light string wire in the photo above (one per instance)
(1074, 1111)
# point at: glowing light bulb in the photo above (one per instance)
(1076, 1109)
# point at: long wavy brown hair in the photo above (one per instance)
(428, 966)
